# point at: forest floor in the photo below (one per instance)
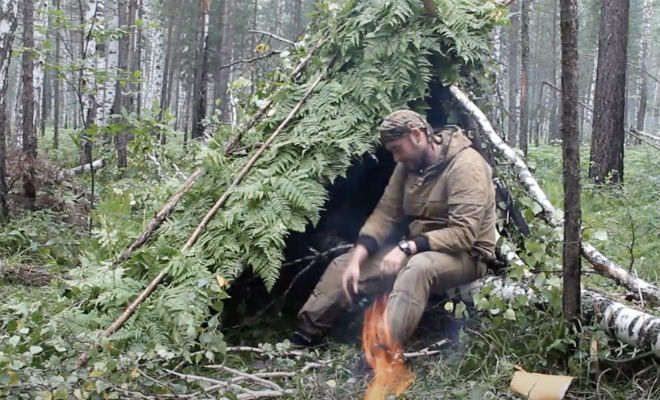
(478, 362)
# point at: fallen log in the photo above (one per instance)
(600, 263)
(619, 321)
(82, 359)
(81, 169)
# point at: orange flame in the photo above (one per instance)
(384, 355)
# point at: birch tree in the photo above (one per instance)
(524, 75)
(512, 132)
(8, 22)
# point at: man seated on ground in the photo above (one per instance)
(444, 189)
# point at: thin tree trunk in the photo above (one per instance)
(524, 72)
(571, 160)
(297, 19)
(57, 87)
(201, 71)
(554, 114)
(137, 57)
(121, 138)
(512, 132)
(29, 134)
(606, 158)
(225, 57)
(8, 23)
(166, 68)
(642, 85)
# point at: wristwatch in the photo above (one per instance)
(405, 247)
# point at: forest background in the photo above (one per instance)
(134, 83)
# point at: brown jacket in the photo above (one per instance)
(450, 206)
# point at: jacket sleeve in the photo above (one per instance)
(469, 187)
(387, 213)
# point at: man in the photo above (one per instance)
(444, 189)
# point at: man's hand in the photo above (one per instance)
(393, 260)
(350, 279)
(351, 275)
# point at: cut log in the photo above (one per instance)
(81, 169)
(600, 263)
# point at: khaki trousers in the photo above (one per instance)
(423, 274)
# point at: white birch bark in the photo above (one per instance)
(99, 63)
(157, 58)
(8, 22)
(599, 262)
(41, 24)
(111, 63)
(87, 97)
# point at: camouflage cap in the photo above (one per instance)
(399, 123)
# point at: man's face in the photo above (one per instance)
(408, 150)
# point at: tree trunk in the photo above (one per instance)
(606, 158)
(524, 72)
(512, 132)
(29, 134)
(8, 23)
(41, 19)
(297, 19)
(225, 58)
(136, 65)
(554, 114)
(642, 82)
(92, 55)
(56, 89)
(201, 71)
(275, 16)
(166, 68)
(112, 67)
(571, 160)
(121, 138)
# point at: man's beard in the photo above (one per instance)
(421, 162)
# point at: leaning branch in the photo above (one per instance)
(82, 359)
(158, 219)
(599, 262)
(274, 36)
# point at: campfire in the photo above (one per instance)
(384, 355)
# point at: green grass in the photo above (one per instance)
(612, 217)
